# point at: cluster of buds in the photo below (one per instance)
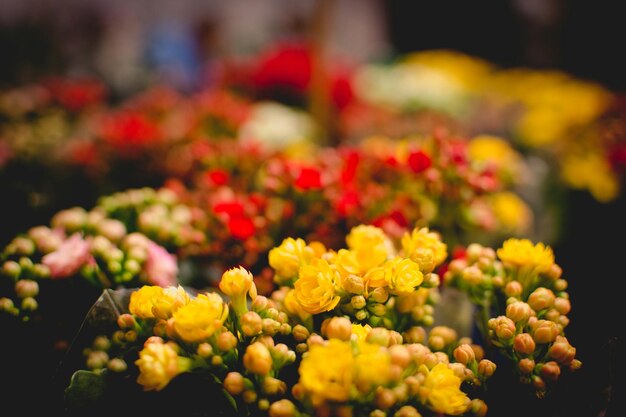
(158, 214)
(371, 281)
(374, 373)
(523, 286)
(96, 245)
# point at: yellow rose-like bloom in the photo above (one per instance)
(402, 275)
(287, 258)
(143, 300)
(346, 263)
(365, 235)
(171, 299)
(592, 171)
(360, 331)
(238, 282)
(326, 371)
(294, 308)
(492, 149)
(315, 287)
(375, 277)
(158, 364)
(522, 253)
(372, 365)
(202, 317)
(511, 211)
(442, 391)
(423, 238)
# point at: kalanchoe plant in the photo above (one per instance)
(107, 246)
(522, 306)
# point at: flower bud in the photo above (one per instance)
(544, 331)
(473, 275)
(385, 398)
(478, 407)
(249, 396)
(300, 333)
(524, 344)
(237, 282)
(26, 288)
(130, 336)
(204, 350)
(378, 413)
(226, 341)
(554, 272)
(457, 265)
(395, 338)
(377, 309)
(575, 365)
(464, 354)
(562, 351)
(257, 359)
(560, 285)
(11, 269)
(117, 365)
(251, 324)
(282, 408)
(399, 355)
(361, 315)
(541, 299)
(43, 271)
(473, 252)
(562, 305)
(407, 411)
(217, 360)
(6, 304)
(479, 352)
(415, 334)
(338, 328)
(379, 336)
(513, 289)
(538, 383)
(379, 295)
(436, 342)
(263, 404)
(526, 366)
(353, 284)
(97, 359)
(486, 368)
(101, 343)
(270, 326)
(29, 304)
(273, 386)
(260, 303)
(358, 302)
(126, 321)
(550, 371)
(518, 312)
(504, 328)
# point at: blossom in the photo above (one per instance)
(309, 178)
(369, 246)
(442, 391)
(143, 301)
(287, 258)
(419, 161)
(522, 253)
(511, 211)
(424, 239)
(200, 318)
(360, 331)
(315, 287)
(158, 364)
(403, 275)
(169, 301)
(372, 365)
(236, 282)
(160, 268)
(326, 371)
(69, 257)
(241, 227)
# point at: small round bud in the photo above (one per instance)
(226, 341)
(339, 328)
(204, 350)
(504, 328)
(300, 333)
(97, 359)
(407, 411)
(486, 368)
(385, 398)
(117, 365)
(379, 295)
(554, 272)
(11, 269)
(234, 383)
(101, 343)
(379, 336)
(260, 303)
(562, 305)
(513, 289)
(126, 321)
(273, 386)
(358, 302)
(282, 408)
(526, 366)
(541, 298)
(257, 359)
(550, 371)
(29, 304)
(544, 331)
(249, 396)
(415, 334)
(251, 324)
(524, 344)
(399, 355)
(478, 407)
(518, 311)
(263, 404)
(464, 354)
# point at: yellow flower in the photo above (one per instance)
(315, 287)
(375, 277)
(346, 263)
(590, 170)
(294, 308)
(522, 253)
(424, 239)
(466, 70)
(287, 258)
(402, 275)
(158, 364)
(512, 213)
(494, 150)
(372, 366)
(360, 331)
(143, 300)
(202, 317)
(171, 299)
(238, 282)
(326, 371)
(442, 391)
(370, 245)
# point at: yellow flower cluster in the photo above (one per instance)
(511, 212)
(159, 363)
(202, 317)
(590, 170)
(364, 275)
(287, 258)
(157, 302)
(521, 253)
(442, 391)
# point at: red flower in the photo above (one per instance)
(241, 227)
(308, 179)
(130, 130)
(287, 66)
(230, 208)
(217, 177)
(419, 161)
(75, 95)
(349, 171)
(348, 203)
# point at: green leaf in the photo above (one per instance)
(85, 388)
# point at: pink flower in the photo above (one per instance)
(69, 257)
(161, 268)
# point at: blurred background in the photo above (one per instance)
(130, 45)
